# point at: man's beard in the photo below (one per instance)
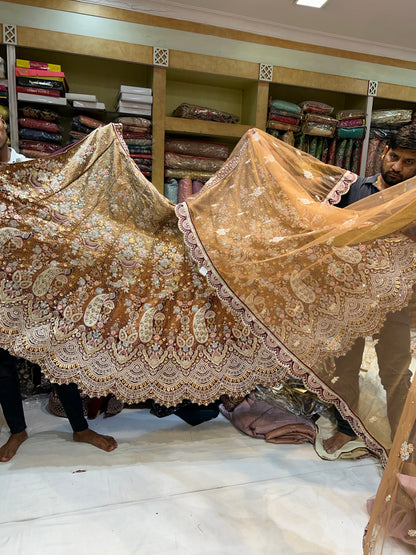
(390, 177)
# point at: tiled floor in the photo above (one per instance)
(174, 489)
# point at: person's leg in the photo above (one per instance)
(11, 403)
(71, 401)
(348, 386)
(393, 355)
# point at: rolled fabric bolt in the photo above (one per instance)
(185, 188)
(171, 190)
(197, 186)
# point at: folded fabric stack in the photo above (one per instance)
(40, 82)
(4, 90)
(82, 101)
(135, 101)
(351, 124)
(350, 134)
(317, 130)
(316, 119)
(39, 132)
(271, 422)
(82, 126)
(390, 119)
(4, 112)
(336, 141)
(3, 82)
(384, 123)
(189, 164)
(137, 134)
(284, 119)
(183, 163)
(192, 111)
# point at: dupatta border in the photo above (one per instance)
(341, 188)
(285, 358)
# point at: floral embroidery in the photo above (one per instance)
(95, 270)
(406, 450)
(411, 533)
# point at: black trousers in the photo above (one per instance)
(11, 400)
(10, 397)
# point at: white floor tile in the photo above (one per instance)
(174, 489)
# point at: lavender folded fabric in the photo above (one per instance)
(197, 186)
(270, 422)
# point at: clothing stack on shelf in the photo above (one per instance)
(82, 126)
(307, 125)
(192, 111)
(318, 129)
(137, 134)
(135, 101)
(40, 82)
(317, 136)
(350, 135)
(311, 127)
(189, 164)
(85, 102)
(39, 131)
(3, 83)
(316, 119)
(384, 123)
(4, 88)
(284, 120)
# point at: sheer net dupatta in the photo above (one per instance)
(306, 276)
(393, 510)
(97, 285)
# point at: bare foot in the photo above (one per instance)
(106, 443)
(8, 450)
(337, 441)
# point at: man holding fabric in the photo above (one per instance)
(393, 345)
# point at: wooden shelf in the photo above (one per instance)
(99, 66)
(202, 127)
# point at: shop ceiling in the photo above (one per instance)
(378, 27)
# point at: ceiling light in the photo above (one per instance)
(311, 3)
